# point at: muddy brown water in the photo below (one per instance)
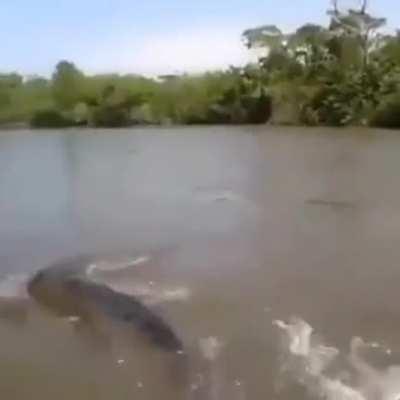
(253, 223)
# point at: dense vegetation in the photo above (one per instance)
(72, 98)
(345, 73)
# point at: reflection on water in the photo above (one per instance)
(253, 224)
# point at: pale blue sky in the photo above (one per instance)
(151, 36)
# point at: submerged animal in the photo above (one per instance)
(66, 290)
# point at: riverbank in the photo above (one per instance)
(14, 126)
(17, 127)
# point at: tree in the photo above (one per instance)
(266, 36)
(5, 99)
(389, 49)
(67, 85)
(11, 81)
(289, 54)
(8, 84)
(357, 24)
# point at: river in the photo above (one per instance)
(243, 225)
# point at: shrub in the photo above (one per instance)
(110, 117)
(288, 99)
(327, 107)
(387, 114)
(258, 109)
(50, 119)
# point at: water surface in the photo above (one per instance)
(257, 224)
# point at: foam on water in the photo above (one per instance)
(307, 359)
(152, 294)
(104, 266)
(209, 383)
(210, 347)
(149, 292)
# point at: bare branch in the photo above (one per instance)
(363, 9)
(364, 6)
(335, 6)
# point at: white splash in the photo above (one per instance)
(385, 383)
(139, 385)
(153, 294)
(210, 348)
(73, 319)
(299, 333)
(307, 360)
(149, 292)
(213, 377)
(90, 269)
(106, 266)
(176, 294)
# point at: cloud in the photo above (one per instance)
(194, 50)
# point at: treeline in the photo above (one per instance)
(345, 73)
(71, 98)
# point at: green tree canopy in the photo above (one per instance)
(67, 85)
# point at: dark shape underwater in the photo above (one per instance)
(65, 290)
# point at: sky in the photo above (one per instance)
(148, 37)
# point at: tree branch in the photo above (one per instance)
(364, 6)
(335, 6)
